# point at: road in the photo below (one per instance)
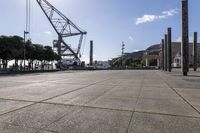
(130, 101)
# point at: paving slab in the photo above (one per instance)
(153, 88)
(111, 82)
(124, 91)
(152, 123)
(8, 128)
(7, 84)
(159, 94)
(82, 96)
(154, 84)
(37, 91)
(8, 105)
(119, 103)
(191, 95)
(166, 106)
(37, 116)
(176, 80)
(90, 120)
(100, 102)
(85, 81)
(96, 90)
(122, 82)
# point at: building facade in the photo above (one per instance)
(152, 56)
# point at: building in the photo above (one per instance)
(152, 55)
(102, 65)
(177, 60)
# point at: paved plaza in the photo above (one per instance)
(130, 101)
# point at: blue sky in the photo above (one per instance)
(108, 22)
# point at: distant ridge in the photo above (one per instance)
(156, 47)
(137, 55)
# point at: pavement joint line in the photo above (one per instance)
(129, 123)
(73, 106)
(17, 100)
(93, 107)
(17, 109)
(48, 131)
(140, 90)
(74, 83)
(49, 98)
(165, 114)
(162, 99)
(187, 88)
(179, 95)
(84, 84)
(85, 106)
(81, 88)
(41, 128)
(117, 85)
(29, 82)
(130, 110)
(75, 112)
(153, 113)
(95, 98)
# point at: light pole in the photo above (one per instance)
(25, 33)
(123, 47)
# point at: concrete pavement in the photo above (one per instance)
(132, 101)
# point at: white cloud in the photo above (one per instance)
(136, 50)
(150, 18)
(130, 38)
(145, 19)
(171, 12)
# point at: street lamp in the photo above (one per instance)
(25, 33)
(123, 47)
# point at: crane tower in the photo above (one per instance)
(64, 28)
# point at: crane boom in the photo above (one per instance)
(64, 27)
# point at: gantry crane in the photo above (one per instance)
(64, 27)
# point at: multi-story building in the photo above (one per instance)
(152, 55)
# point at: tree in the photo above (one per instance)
(142, 63)
(57, 57)
(17, 49)
(13, 47)
(30, 54)
(5, 50)
(128, 61)
(48, 53)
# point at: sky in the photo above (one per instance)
(139, 23)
